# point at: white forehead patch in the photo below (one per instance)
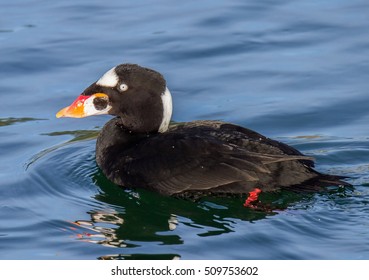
(109, 79)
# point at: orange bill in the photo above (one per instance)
(81, 107)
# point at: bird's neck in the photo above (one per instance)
(115, 137)
(147, 115)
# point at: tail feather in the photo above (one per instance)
(321, 183)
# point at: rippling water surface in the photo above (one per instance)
(296, 71)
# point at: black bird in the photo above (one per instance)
(139, 148)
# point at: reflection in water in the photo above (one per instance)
(10, 121)
(140, 257)
(100, 229)
(106, 228)
(139, 216)
(78, 135)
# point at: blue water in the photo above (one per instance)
(296, 71)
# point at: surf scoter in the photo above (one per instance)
(139, 148)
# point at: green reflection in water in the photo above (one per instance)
(11, 121)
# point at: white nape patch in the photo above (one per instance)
(166, 98)
(109, 79)
(90, 110)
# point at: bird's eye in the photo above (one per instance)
(123, 87)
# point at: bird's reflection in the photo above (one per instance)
(138, 216)
(100, 229)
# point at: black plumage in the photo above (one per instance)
(137, 148)
(203, 158)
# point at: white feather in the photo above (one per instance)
(166, 98)
(109, 79)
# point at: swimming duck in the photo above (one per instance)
(141, 148)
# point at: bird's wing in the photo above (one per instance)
(178, 163)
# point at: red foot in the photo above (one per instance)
(253, 197)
